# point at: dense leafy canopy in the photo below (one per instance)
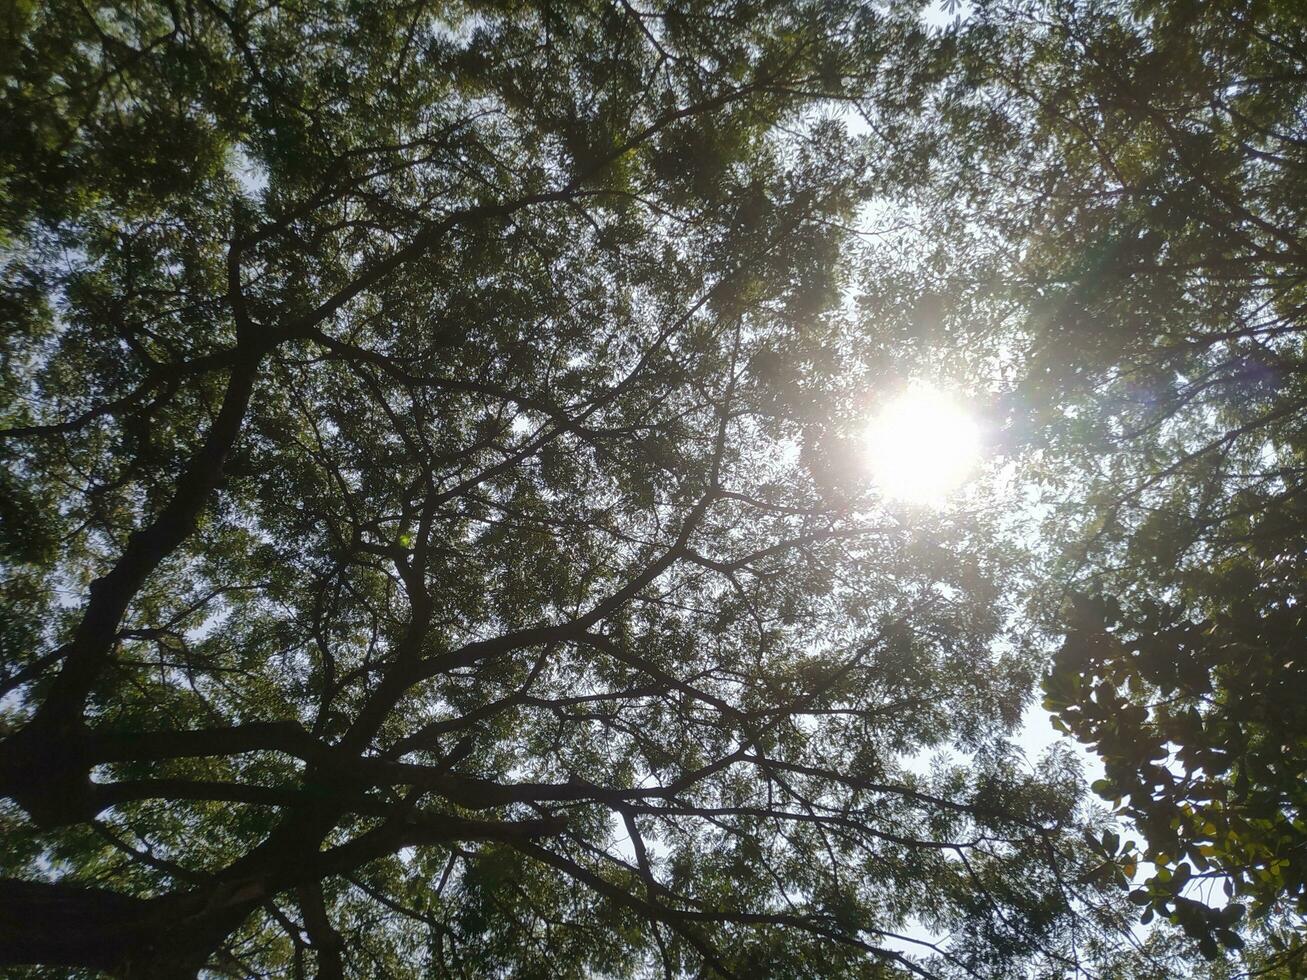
(1134, 180)
(436, 533)
(436, 542)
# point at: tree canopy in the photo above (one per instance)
(436, 534)
(1161, 288)
(1142, 255)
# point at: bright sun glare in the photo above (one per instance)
(922, 446)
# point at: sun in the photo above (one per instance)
(922, 445)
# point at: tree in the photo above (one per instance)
(434, 537)
(1138, 172)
